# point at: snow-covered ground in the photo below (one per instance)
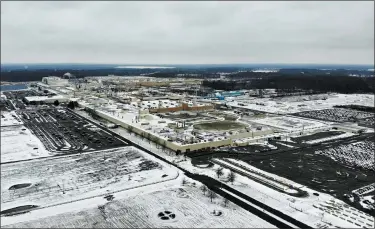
(19, 143)
(304, 209)
(10, 119)
(64, 179)
(185, 206)
(283, 106)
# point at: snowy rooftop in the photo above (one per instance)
(43, 98)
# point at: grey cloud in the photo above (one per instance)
(188, 32)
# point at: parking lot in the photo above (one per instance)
(336, 168)
(6, 105)
(322, 170)
(17, 97)
(337, 115)
(61, 130)
(367, 122)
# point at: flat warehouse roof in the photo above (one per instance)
(43, 98)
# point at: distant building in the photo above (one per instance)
(55, 81)
(68, 75)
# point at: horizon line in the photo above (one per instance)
(149, 64)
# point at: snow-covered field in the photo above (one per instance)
(182, 206)
(137, 207)
(64, 179)
(18, 143)
(359, 154)
(289, 105)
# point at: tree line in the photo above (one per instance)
(317, 83)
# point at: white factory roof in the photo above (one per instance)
(43, 98)
(42, 84)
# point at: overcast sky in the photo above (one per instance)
(187, 32)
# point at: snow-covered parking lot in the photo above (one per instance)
(359, 154)
(336, 115)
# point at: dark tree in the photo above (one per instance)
(204, 189)
(130, 129)
(56, 103)
(149, 137)
(288, 84)
(183, 181)
(219, 172)
(231, 177)
(225, 201)
(211, 194)
(71, 105)
(164, 146)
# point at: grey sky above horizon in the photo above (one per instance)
(187, 32)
